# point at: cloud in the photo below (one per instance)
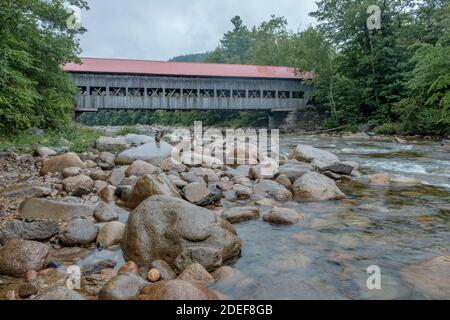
(159, 30)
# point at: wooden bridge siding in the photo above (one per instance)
(92, 103)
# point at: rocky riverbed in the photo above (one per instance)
(140, 225)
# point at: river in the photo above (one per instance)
(327, 255)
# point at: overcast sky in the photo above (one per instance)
(162, 29)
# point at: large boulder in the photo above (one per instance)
(338, 168)
(36, 230)
(210, 258)
(430, 277)
(59, 293)
(197, 274)
(79, 232)
(117, 175)
(165, 270)
(197, 193)
(308, 154)
(170, 164)
(59, 163)
(282, 216)
(238, 214)
(314, 186)
(125, 286)
(168, 228)
(110, 234)
(151, 185)
(206, 174)
(137, 139)
(272, 189)
(151, 152)
(76, 183)
(19, 256)
(111, 144)
(107, 157)
(25, 191)
(177, 290)
(105, 213)
(141, 168)
(45, 152)
(54, 210)
(294, 169)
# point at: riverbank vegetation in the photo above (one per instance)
(394, 80)
(73, 137)
(172, 118)
(34, 42)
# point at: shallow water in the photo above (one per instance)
(327, 255)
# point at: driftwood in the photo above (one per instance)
(331, 130)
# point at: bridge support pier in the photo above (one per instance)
(283, 120)
(76, 115)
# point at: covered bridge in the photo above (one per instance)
(119, 84)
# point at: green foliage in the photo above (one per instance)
(128, 130)
(396, 78)
(178, 117)
(388, 128)
(196, 57)
(34, 43)
(80, 139)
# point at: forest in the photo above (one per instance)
(393, 80)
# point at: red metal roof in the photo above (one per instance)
(100, 65)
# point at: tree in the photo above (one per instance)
(234, 44)
(426, 109)
(34, 42)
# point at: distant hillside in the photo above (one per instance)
(196, 57)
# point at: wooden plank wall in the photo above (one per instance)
(182, 101)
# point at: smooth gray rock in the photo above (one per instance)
(36, 230)
(151, 152)
(272, 189)
(294, 169)
(19, 256)
(111, 144)
(105, 213)
(165, 270)
(58, 163)
(79, 232)
(177, 290)
(25, 191)
(54, 210)
(151, 185)
(238, 214)
(308, 154)
(282, 216)
(314, 186)
(125, 286)
(59, 293)
(110, 234)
